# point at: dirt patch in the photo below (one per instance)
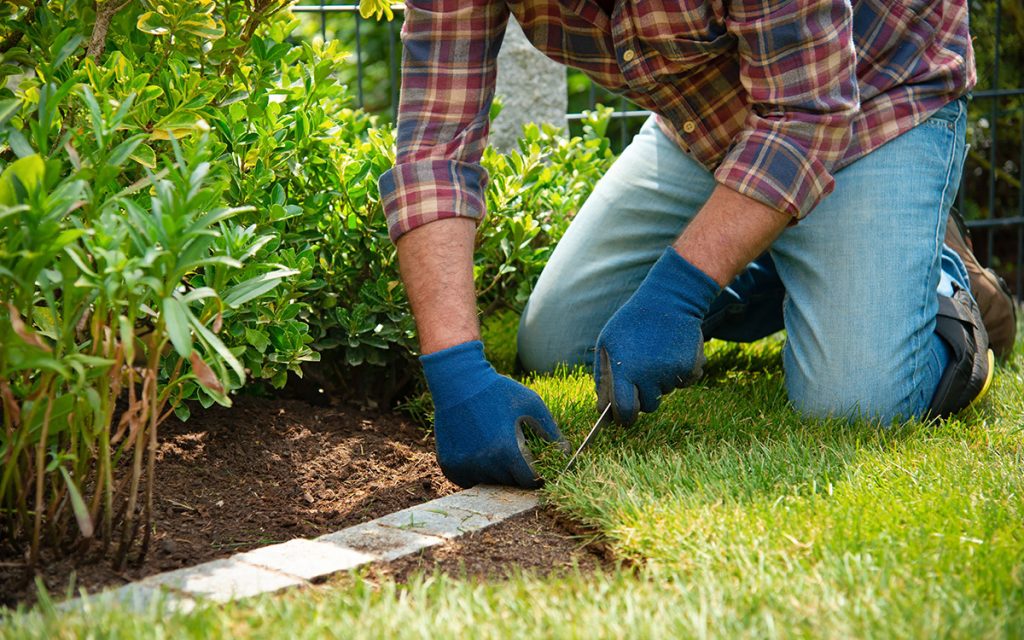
(537, 542)
(261, 472)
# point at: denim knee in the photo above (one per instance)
(823, 398)
(547, 339)
(873, 388)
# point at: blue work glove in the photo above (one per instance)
(479, 417)
(653, 343)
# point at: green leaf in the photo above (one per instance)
(19, 143)
(211, 339)
(65, 51)
(127, 337)
(376, 9)
(66, 237)
(26, 174)
(93, 362)
(203, 26)
(95, 112)
(46, 323)
(257, 339)
(211, 218)
(125, 150)
(144, 155)
(176, 317)
(277, 194)
(200, 293)
(234, 96)
(78, 505)
(62, 408)
(255, 287)
(122, 113)
(206, 400)
(182, 411)
(178, 124)
(8, 109)
(153, 23)
(279, 213)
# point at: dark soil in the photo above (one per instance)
(261, 472)
(536, 542)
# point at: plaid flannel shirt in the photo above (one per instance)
(773, 96)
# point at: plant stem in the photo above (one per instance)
(148, 398)
(128, 526)
(10, 410)
(256, 17)
(133, 494)
(41, 477)
(147, 513)
(105, 12)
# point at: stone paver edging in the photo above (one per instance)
(300, 562)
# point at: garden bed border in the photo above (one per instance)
(301, 562)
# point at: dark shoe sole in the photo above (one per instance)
(969, 373)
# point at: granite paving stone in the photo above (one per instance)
(435, 518)
(224, 580)
(307, 559)
(495, 503)
(383, 543)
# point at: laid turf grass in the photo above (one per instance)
(735, 518)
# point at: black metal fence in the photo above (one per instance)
(991, 194)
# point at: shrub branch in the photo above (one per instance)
(105, 12)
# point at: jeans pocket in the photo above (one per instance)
(949, 115)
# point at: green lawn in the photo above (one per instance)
(741, 519)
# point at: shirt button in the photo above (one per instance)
(689, 126)
(628, 55)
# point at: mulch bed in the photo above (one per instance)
(269, 470)
(261, 472)
(536, 542)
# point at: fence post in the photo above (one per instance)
(531, 87)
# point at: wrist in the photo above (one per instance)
(729, 232)
(446, 337)
(457, 373)
(436, 262)
(675, 276)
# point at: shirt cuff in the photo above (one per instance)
(775, 171)
(417, 193)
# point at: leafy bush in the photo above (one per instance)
(375, 43)
(369, 344)
(188, 204)
(128, 292)
(533, 195)
(97, 314)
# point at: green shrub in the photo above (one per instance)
(188, 204)
(369, 344)
(119, 283)
(97, 313)
(534, 193)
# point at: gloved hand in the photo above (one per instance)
(653, 343)
(479, 417)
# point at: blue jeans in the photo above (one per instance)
(855, 284)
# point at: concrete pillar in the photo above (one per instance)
(531, 86)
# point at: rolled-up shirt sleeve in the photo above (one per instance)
(798, 66)
(449, 62)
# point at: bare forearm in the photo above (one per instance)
(436, 262)
(728, 233)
